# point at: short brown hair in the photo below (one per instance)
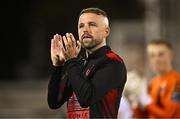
(93, 10)
(161, 42)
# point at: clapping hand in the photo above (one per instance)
(61, 53)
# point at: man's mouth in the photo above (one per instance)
(86, 36)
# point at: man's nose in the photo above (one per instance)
(86, 28)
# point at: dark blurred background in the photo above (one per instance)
(27, 27)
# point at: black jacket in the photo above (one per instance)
(96, 81)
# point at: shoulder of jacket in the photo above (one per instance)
(114, 56)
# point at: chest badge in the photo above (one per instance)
(88, 71)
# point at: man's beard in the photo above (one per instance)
(89, 45)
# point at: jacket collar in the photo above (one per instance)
(99, 52)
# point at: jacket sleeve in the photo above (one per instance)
(110, 76)
(58, 90)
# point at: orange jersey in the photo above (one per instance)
(161, 90)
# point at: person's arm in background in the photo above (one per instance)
(165, 112)
(170, 108)
(58, 91)
(154, 109)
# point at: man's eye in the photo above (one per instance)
(161, 54)
(80, 26)
(92, 24)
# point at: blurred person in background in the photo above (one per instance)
(125, 111)
(136, 85)
(176, 93)
(160, 102)
(91, 84)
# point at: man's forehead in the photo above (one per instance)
(90, 17)
(157, 48)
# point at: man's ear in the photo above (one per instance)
(107, 31)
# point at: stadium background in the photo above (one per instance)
(28, 26)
